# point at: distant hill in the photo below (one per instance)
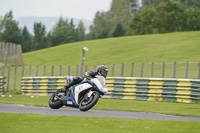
(49, 22)
(178, 46)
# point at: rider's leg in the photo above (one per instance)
(75, 81)
(64, 89)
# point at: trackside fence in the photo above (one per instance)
(10, 54)
(157, 89)
(183, 70)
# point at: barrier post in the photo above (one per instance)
(113, 69)
(163, 70)
(142, 68)
(60, 70)
(186, 69)
(198, 76)
(152, 68)
(4, 85)
(132, 69)
(122, 70)
(174, 72)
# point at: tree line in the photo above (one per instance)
(168, 16)
(63, 32)
(130, 17)
(125, 17)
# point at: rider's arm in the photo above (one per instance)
(92, 73)
(101, 85)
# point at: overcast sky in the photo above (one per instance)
(82, 9)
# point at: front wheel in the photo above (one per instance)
(88, 102)
(55, 100)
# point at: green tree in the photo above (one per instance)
(193, 19)
(26, 40)
(146, 3)
(191, 3)
(105, 23)
(80, 31)
(64, 32)
(9, 29)
(119, 31)
(101, 26)
(133, 6)
(59, 34)
(168, 16)
(72, 32)
(122, 11)
(40, 40)
(144, 22)
(1, 24)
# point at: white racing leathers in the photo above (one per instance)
(99, 81)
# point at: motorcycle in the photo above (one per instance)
(83, 95)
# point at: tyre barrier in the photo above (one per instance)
(156, 89)
(42, 85)
(3, 84)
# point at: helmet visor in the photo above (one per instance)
(104, 73)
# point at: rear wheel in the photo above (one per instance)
(88, 102)
(55, 100)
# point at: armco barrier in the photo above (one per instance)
(159, 89)
(3, 84)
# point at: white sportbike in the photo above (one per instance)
(83, 95)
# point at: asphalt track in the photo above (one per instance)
(13, 108)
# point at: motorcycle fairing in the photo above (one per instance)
(70, 100)
(81, 87)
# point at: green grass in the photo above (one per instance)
(179, 46)
(26, 100)
(181, 109)
(23, 123)
(158, 48)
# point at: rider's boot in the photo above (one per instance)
(65, 88)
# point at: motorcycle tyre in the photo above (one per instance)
(91, 104)
(55, 105)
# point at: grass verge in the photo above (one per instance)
(31, 123)
(181, 109)
(178, 46)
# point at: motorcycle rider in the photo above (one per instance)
(101, 71)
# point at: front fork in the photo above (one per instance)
(89, 93)
(59, 96)
(87, 98)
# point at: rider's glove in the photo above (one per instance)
(92, 74)
(78, 79)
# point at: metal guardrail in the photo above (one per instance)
(158, 89)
